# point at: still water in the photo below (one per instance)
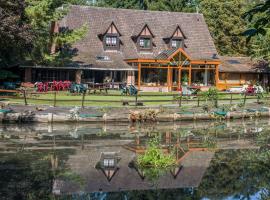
(216, 160)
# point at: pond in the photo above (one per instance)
(215, 160)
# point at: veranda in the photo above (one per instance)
(171, 69)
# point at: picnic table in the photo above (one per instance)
(98, 86)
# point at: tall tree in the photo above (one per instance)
(15, 33)
(258, 33)
(162, 5)
(42, 13)
(224, 18)
(259, 16)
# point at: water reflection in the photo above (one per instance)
(94, 161)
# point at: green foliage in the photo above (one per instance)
(154, 157)
(64, 40)
(42, 13)
(185, 78)
(4, 74)
(15, 33)
(224, 18)
(162, 5)
(154, 163)
(259, 16)
(260, 46)
(211, 95)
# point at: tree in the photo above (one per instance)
(260, 48)
(258, 33)
(162, 5)
(259, 16)
(42, 13)
(15, 33)
(224, 18)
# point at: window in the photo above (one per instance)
(145, 43)
(176, 43)
(111, 42)
(108, 162)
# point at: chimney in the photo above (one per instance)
(54, 30)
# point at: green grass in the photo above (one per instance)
(113, 98)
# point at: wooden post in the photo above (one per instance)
(189, 75)
(231, 99)
(54, 99)
(198, 104)
(169, 78)
(24, 96)
(258, 98)
(139, 76)
(216, 75)
(83, 98)
(245, 99)
(180, 99)
(179, 77)
(136, 99)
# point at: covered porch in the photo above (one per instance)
(173, 68)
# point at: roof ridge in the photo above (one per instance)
(136, 10)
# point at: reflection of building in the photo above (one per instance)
(124, 177)
(152, 49)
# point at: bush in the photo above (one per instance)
(211, 95)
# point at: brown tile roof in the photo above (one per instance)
(242, 64)
(199, 44)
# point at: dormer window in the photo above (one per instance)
(111, 38)
(176, 40)
(143, 37)
(111, 41)
(145, 43)
(177, 43)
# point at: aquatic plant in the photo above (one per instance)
(154, 162)
(154, 157)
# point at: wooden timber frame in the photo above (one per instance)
(180, 61)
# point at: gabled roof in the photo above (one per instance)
(199, 44)
(138, 30)
(170, 30)
(170, 53)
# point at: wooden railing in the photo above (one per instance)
(179, 99)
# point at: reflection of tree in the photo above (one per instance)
(236, 173)
(28, 175)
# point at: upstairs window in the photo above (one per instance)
(145, 43)
(176, 43)
(111, 42)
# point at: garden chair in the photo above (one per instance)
(132, 90)
(123, 88)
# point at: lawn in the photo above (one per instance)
(114, 98)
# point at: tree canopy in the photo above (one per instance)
(41, 14)
(15, 33)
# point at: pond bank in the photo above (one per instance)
(22, 114)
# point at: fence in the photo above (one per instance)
(196, 100)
